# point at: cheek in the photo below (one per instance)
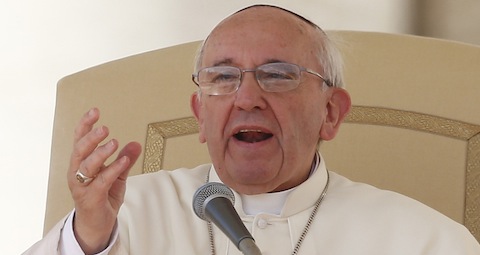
(305, 119)
(215, 118)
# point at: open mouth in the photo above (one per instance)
(252, 136)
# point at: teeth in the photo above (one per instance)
(249, 130)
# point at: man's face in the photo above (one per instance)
(262, 141)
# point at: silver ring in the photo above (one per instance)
(81, 178)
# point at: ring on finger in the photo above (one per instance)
(81, 178)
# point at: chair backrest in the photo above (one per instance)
(414, 127)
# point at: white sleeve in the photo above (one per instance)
(69, 245)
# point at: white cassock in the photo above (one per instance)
(353, 218)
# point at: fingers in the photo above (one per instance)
(95, 160)
(88, 157)
(86, 123)
(86, 139)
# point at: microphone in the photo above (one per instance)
(213, 202)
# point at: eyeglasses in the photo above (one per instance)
(272, 77)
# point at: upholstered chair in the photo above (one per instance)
(414, 127)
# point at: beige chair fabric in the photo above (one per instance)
(414, 127)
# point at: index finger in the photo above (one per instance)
(86, 124)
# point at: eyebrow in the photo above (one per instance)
(229, 62)
(274, 60)
(223, 62)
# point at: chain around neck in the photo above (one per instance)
(305, 229)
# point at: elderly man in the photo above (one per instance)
(270, 89)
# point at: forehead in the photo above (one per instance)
(258, 35)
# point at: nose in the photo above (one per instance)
(249, 95)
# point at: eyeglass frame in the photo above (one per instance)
(242, 71)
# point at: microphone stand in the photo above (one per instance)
(248, 247)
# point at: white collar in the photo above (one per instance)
(297, 198)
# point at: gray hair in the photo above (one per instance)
(331, 60)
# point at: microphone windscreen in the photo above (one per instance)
(208, 192)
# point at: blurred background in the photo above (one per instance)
(42, 41)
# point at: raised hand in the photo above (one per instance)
(97, 189)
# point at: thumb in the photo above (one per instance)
(132, 151)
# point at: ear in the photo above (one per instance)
(196, 107)
(337, 108)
